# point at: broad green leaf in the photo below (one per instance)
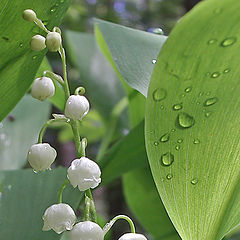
(20, 130)
(132, 51)
(24, 198)
(58, 100)
(97, 76)
(18, 64)
(143, 199)
(194, 97)
(127, 154)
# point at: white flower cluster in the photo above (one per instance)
(61, 217)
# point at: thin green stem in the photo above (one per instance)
(53, 76)
(40, 24)
(88, 193)
(60, 192)
(87, 208)
(40, 137)
(65, 86)
(77, 138)
(110, 224)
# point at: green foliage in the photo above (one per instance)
(24, 198)
(20, 130)
(134, 53)
(18, 64)
(194, 97)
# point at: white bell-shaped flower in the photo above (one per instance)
(37, 43)
(132, 236)
(59, 217)
(84, 173)
(41, 156)
(29, 15)
(77, 107)
(43, 88)
(53, 41)
(86, 231)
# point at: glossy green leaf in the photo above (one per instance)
(20, 130)
(97, 76)
(194, 97)
(127, 154)
(132, 51)
(18, 64)
(144, 201)
(24, 198)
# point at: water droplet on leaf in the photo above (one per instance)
(169, 176)
(158, 31)
(196, 141)
(20, 45)
(188, 89)
(165, 137)
(177, 107)
(154, 61)
(179, 140)
(167, 159)
(177, 147)
(34, 57)
(159, 94)
(156, 143)
(210, 101)
(208, 114)
(227, 70)
(228, 41)
(215, 74)
(212, 41)
(194, 181)
(185, 120)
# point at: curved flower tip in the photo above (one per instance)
(59, 217)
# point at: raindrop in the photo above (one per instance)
(207, 114)
(188, 89)
(154, 61)
(167, 159)
(156, 143)
(210, 101)
(208, 93)
(177, 147)
(194, 181)
(169, 176)
(179, 140)
(183, 95)
(196, 141)
(215, 74)
(45, 22)
(211, 41)
(158, 31)
(53, 9)
(227, 70)
(165, 137)
(20, 45)
(228, 41)
(173, 130)
(185, 120)
(34, 57)
(159, 94)
(177, 107)
(35, 171)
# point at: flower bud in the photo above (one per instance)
(77, 107)
(41, 156)
(132, 236)
(86, 231)
(37, 43)
(53, 41)
(84, 173)
(29, 15)
(59, 217)
(43, 88)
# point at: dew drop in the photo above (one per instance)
(45, 22)
(158, 31)
(159, 94)
(194, 181)
(177, 147)
(179, 140)
(20, 45)
(228, 41)
(196, 141)
(53, 9)
(183, 95)
(210, 101)
(169, 176)
(177, 107)
(208, 93)
(165, 137)
(173, 130)
(212, 41)
(185, 120)
(188, 89)
(35, 171)
(34, 57)
(167, 159)
(156, 143)
(208, 114)
(227, 70)
(215, 74)
(154, 61)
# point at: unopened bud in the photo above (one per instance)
(37, 43)
(53, 41)
(29, 15)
